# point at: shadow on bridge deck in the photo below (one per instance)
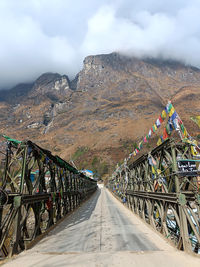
(83, 213)
(103, 233)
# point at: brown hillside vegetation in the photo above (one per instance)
(97, 118)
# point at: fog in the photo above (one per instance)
(38, 36)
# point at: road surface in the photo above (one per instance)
(102, 232)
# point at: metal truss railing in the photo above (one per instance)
(37, 190)
(163, 188)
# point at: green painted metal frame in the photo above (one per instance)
(165, 199)
(28, 207)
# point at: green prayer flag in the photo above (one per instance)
(182, 128)
(14, 141)
(168, 129)
(170, 107)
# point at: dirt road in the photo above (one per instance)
(102, 232)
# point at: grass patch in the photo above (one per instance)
(80, 152)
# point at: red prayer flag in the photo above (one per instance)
(165, 134)
(160, 119)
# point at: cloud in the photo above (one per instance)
(37, 36)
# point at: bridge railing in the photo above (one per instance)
(163, 188)
(37, 190)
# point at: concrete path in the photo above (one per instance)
(102, 232)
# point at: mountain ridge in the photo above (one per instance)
(110, 104)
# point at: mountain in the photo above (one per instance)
(96, 118)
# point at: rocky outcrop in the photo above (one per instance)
(52, 85)
(51, 82)
(113, 99)
(164, 77)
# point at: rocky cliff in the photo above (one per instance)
(110, 105)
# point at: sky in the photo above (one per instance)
(38, 36)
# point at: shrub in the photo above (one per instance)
(80, 152)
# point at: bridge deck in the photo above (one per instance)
(103, 233)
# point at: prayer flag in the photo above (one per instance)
(194, 151)
(168, 128)
(175, 124)
(140, 145)
(158, 123)
(150, 160)
(182, 128)
(153, 170)
(159, 171)
(159, 142)
(160, 119)
(164, 114)
(150, 131)
(196, 119)
(165, 135)
(185, 132)
(154, 161)
(172, 110)
(174, 115)
(169, 107)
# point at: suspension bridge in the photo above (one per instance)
(89, 226)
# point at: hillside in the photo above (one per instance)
(96, 118)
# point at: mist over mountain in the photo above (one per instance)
(110, 105)
(39, 36)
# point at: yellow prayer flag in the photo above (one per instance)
(193, 151)
(193, 148)
(159, 171)
(153, 170)
(164, 114)
(159, 142)
(171, 111)
(155, 127)
(185, 132)
(196, 119)
(134, 153)
(157, 214)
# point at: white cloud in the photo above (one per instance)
(47, 35)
